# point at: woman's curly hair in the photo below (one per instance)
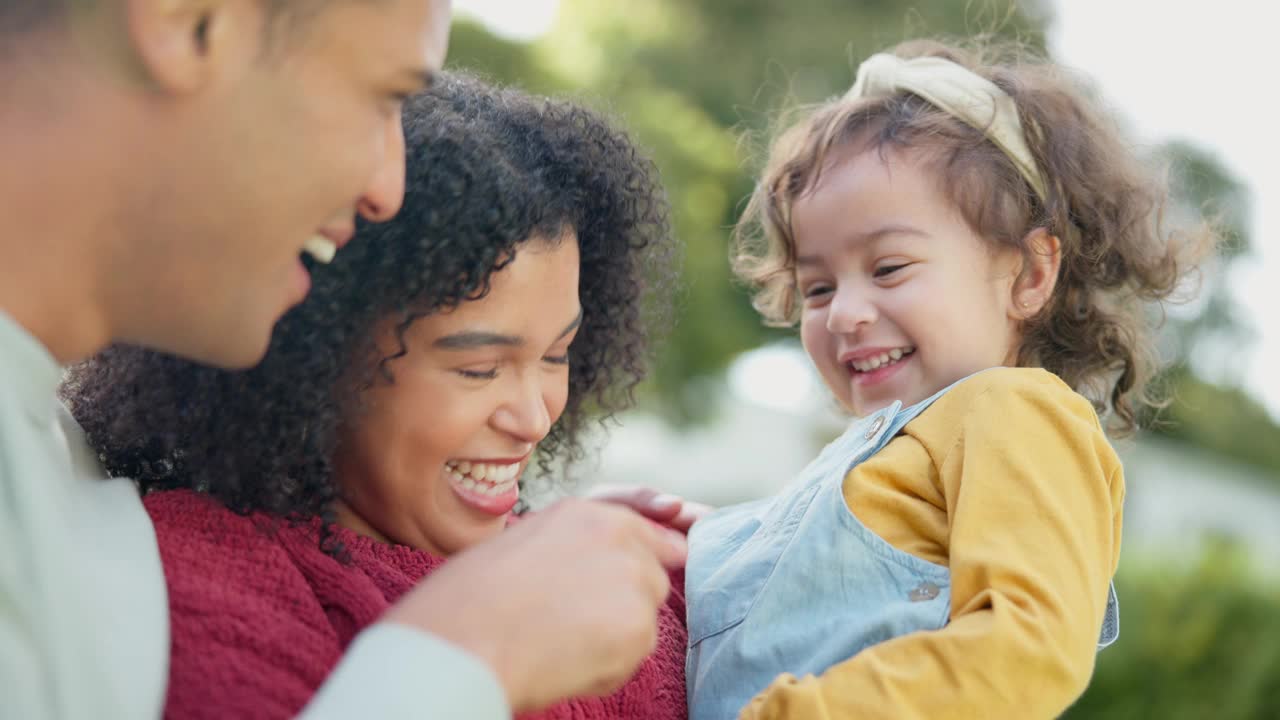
(487, 169)
(1103, 203)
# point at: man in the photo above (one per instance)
(165, 164)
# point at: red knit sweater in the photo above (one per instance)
(260, 615)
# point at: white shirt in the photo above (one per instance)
(84, 619)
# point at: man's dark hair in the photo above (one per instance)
(18, 16)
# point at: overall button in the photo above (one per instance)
(923, 592)
(875, 427)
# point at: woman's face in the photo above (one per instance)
(433, 460)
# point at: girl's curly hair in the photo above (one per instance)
(1103, 203)
(487, 169)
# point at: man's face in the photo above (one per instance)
(284, 144)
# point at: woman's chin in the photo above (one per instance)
(473, 534)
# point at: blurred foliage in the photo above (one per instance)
(1208, 340)
(1225, 420)
(699, 82)
(1202, 190)
(1195, 643)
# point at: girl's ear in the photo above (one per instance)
(1038, 276)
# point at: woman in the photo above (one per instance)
(434, 360)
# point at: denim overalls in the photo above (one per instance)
(795, 583)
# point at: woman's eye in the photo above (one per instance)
(557, 359)
(478, 374)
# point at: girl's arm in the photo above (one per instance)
(1034, 495)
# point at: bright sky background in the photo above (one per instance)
(1202, 71)
(515, 19)
(1199, 71)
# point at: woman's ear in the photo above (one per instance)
(1039, 274)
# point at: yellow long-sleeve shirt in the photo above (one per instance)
(1009, 481)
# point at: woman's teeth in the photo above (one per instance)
(484, 478)
(884, 358)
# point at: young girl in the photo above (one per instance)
(967, 249)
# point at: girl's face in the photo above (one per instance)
(901, 297)
(433, 461)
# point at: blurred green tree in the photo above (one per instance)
(1196, 642)
(1207, 340)
(1201, 188)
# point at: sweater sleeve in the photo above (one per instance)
(1034, 495)
(249, 639)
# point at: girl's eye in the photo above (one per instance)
(885, 270)
(478, 374)
(557, 359)
(816, 291)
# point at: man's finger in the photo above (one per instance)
(670, 546)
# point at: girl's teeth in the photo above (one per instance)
(464, 467)
(882, 359)
(479, 471)
(469, 484)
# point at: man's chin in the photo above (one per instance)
(240, 347)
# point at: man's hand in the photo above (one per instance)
(670, 510)
(563, 603)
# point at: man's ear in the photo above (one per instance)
(1039, 274)
(181, 45)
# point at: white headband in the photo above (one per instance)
(967, 96)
